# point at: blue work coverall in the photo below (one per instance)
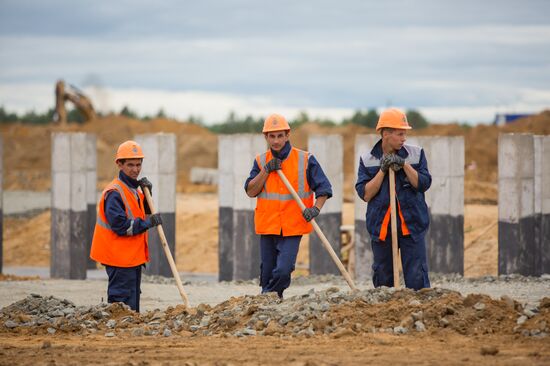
(278, 252)
(124, 282)
(413, 207)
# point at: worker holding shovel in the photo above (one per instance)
(120, 235)
(412, 179)
(278, 218)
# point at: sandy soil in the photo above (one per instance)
(449, 349)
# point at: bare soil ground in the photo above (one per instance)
(427, 349)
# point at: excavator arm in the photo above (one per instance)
(75, 96)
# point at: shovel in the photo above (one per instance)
(394, 246)
(166, 248)
(322, 236)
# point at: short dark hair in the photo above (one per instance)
(389, 129)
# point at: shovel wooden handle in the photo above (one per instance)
(394, 246)
(317, 229)
(166, 248)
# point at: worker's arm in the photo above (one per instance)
(255, 185)
(255, 182)
(373, 186)
(115, 213)
(411, 174)
(319, 183)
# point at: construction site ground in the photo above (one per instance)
(482, 330)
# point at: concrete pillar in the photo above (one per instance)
(329, 152)
(542, 204)
(246, 244)
(91, 194)
(1, 204)
(363, 250)
(516, 196)
(225, 210)
(69, 250)
(159, 166)
(445, 200)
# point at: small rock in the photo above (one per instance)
(248, 331)
(46, 344)
(10, 324)
(488, 350)
(400, 330)
(418, 315)
(51, 330)
(342, 332)
(522, 319)
(414, 302)
(111, 324)
(444, 322)
(529, 313)
(508, 300)
(109, 334)
(138, 332)
(167, 332)
(535, 332)
(419, 326)
(479, 306)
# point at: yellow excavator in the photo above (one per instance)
(74, 95)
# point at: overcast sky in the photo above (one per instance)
(452, 60)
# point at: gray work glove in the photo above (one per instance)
(310, 213)
(144, 182)
(397, 162)
(272, 165)
(155, 220)
(391, 160)
(385, 162)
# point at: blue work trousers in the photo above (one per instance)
(278, 255)
(124, 285)
(413, 260)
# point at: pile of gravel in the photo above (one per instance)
(332, 312)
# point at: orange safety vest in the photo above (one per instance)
(276, 211)
(108, 247)
(386, 222)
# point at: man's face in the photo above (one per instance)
(130, 167)
(277, 139)
(396, 138)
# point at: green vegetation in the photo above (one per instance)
(232, 123)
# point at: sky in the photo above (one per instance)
(454, 61)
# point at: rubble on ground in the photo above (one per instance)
(333, 313)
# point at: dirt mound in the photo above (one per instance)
(331, 313)
(27, 149)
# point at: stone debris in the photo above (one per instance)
(331, 312)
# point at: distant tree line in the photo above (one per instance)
(232, 124)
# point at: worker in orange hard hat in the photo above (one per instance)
(412, 179)
(120, 235)
(278, 219)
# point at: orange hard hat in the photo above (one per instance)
(393, 118)
(129, 150)
(275, 122)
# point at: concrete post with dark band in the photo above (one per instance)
(363, 249)
(159, 166)
(542, 204)
(69, 213)
(1, 204)
(225, 210)
(445, 200)
(91, 194)
(516, 197)
(246, 244)
(328, 150)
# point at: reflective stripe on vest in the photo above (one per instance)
(119, 189)
(301, 181)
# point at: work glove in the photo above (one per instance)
(397, 162)
(272, 165)
(310, 213)
(155, 220)
(385, 162)
(144, 182)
